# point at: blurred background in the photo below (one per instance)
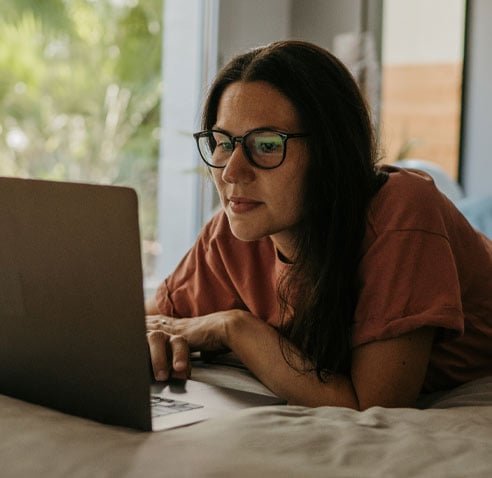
(110, 91)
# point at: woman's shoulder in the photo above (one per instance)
(409, 200)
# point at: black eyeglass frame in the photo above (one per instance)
(241, 140)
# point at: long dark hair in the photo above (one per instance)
(320, 289)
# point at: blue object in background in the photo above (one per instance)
(477, 209)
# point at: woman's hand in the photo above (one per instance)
(171, 340)
(169, 354)
(205, 333)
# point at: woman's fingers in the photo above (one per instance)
(158, 344)
(180, 352)
(169, 354)
(158, 322)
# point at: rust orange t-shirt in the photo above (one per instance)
(422, 265)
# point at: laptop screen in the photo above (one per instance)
(72, 331)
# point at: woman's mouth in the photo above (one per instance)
(241, 205)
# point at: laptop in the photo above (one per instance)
(72, 328)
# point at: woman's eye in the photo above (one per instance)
(268, 145)
(224, 145)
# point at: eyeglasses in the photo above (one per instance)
(263, 148)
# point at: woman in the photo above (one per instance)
(334, 281)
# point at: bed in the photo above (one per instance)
(451, 436)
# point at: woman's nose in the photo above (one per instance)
(238, 168)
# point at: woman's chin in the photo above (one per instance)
(246, 236)
(245, 232)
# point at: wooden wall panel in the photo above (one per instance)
(421, 107)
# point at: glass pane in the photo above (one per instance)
(79, 95)
(422, 79)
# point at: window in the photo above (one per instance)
(185, 192)
(80, 95)
(423, 48)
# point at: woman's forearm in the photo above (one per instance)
(257, 345)
(386, 373)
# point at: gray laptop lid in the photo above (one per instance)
(71, 288)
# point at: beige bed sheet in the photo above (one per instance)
(453, 438)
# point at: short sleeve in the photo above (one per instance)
(200, 284)
(221, 272)
(408, 280)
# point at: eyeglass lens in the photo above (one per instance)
(264, 148)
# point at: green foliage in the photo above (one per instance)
(80, 93)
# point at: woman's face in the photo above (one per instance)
(260, 202)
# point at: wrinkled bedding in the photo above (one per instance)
(451, 437)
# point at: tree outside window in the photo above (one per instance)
(80, 85)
